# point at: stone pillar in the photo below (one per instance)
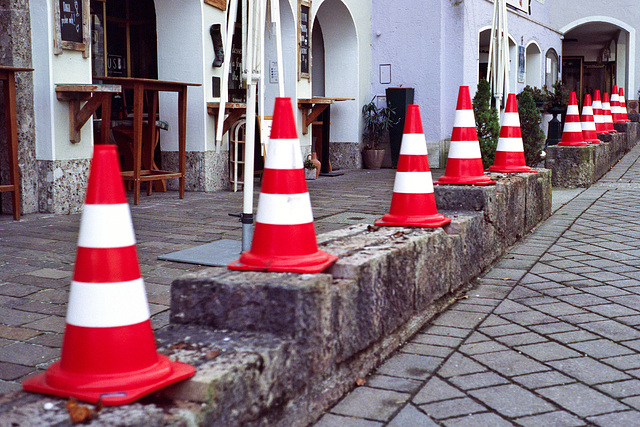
(15, 51)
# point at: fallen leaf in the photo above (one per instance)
(506, 278)
(212, 354)
(82, 413)
(360, 382)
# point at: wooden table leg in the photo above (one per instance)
(138, 104)
(12, 141)
(151, 131)
(182, 136)
(105, 127)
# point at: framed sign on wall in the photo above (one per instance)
(72, 26)
(304, 39)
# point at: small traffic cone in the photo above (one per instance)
(572, 132)
(510, 149)
(284, 238)
(588, 124)
(615, 105)
(413, 203)
(606, 113)
(464, 165)
(108, 351)
(624, 114)
(598, 117)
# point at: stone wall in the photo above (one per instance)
(573, 167)
(287, 346)
(15, 51)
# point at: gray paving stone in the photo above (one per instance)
(552, 328)
(556, 292)
(411, 416)
(479, 380)
(578, 319)
(511, 400)
(426, 350)
(460, 319)
(543, 379)
(452, 408)
(27, 354)
(582, 400)
(405, 385)
(605, 290)
(631, 361)
(588, 370)
(557, 418)
(510, 363)
(500, 330)
(410, 366)
(573, 336)
(530, 317)
(493, 320)
(482, 347)
(437, 340)
(458, 364)
(370, 403)
(600, 348)
(508, 306)
(613, 330)
(621, 389)
(559, 309)
(445, 331)
(613, 310)
(521, 339)
(627, 418)
(436, 390)
(332, 420)
(546, 351)
(478, 420)
(583, 300)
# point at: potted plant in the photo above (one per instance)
(540, 96)
(311, 170)
(377, 121)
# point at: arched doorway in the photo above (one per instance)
(598, 52)
(336, 74)
(533, 65)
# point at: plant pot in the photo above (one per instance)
(373, 158)
(310, 173)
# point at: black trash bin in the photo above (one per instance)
(398, 98)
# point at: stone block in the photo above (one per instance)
(571, 166)
(537, 198)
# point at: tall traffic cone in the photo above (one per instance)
(598, 117)
(588, 124)
(606, 113)
(464, 165)
(615, 105)
(413, 203)
(624, 114)
(572, 132)
(108, 351)
(284, 238)
(510, 149)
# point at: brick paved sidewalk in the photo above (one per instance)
(548, 337)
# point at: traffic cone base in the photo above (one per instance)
(404, 204)
(464, 172)
(284, 238)
(115, 384)
(506, 158)
(108, 351)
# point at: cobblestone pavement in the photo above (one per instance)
(37, 256)
(548, 337)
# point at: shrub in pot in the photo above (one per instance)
(377, 121)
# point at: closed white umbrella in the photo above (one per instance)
(498, 68)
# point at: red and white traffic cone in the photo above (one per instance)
(572, 132)
(588, 124)
(510, 149)
(284, 238)
(624, 114)
(464, 165)
(413, 203)
(615, 105)
(108, 351)
(606, 112)
(598, 117)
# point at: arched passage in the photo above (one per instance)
(533, 65)
(339, 50)
(598, 52)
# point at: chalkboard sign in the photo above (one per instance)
(71, 21)
(304, 40)
(72, 26)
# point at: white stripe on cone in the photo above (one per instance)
(105, 305)
(464, 119)
(106, 226)
(284, 154)
(413, 182)
(510, 120)
(510, 144)
(284, 209)
(413, 144)
(464, 150)
(572, 127)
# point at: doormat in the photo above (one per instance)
(215, 254)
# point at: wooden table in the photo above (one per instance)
(152, 87)
(96, 96)
(7, 75)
